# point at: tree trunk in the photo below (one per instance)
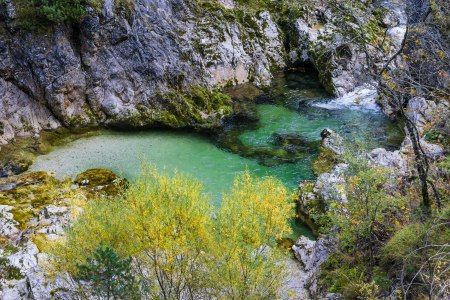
(422, 169)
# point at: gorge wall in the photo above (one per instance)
(158, 62)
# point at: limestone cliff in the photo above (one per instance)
(159, 62)
(116, 68)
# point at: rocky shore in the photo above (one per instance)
(164, 65)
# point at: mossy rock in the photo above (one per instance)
(28, 193)
(195, 107)
(325, 162)
(96, 182)
(16, 157)
(8, 271)
(285, 243)
(96, 177)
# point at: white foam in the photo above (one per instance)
(362, 97)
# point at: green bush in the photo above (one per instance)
(32, 13)
(38, 14)
(418, 256)
(110, 276)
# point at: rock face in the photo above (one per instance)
(20, 115)
(341, 64)
(112, 67)
(40, 208)
(311, 255)
(137, 66)
(423, 114)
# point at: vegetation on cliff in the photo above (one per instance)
(387, 243)
(38, 13)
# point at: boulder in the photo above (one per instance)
(332, 141)
(52, 221)
(421, 112)
(311, 255)
(22, 259)
(393, 160)
(330, 186)
(102, 181)
(95, 177)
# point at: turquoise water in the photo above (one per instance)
(291, 111)
(191, 154)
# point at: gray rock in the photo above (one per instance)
(421, 112)
(110, 68)
(24, 259)
(311, 255)
(329, 186)
(20, 115)
(432, 151)
(227, 3)
(424, 114)
(8, 226)
(332, 141)
(395, 160)
(341, 64)
(52, 221)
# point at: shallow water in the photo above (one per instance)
(292, 111)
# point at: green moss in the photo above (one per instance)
(101, 181)
(10, 249)
(96, 177)
(33, 191)
(438, 137)
(197, 107)
(36, 190)
(325, 162)
(8, 271)
(41, 241)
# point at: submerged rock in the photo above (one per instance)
(244, 98)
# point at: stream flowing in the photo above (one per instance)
(298, 107)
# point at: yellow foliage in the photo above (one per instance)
(168, 226)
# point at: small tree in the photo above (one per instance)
(180, 248)
(109, 276)
(364, 222)
(252, 217)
